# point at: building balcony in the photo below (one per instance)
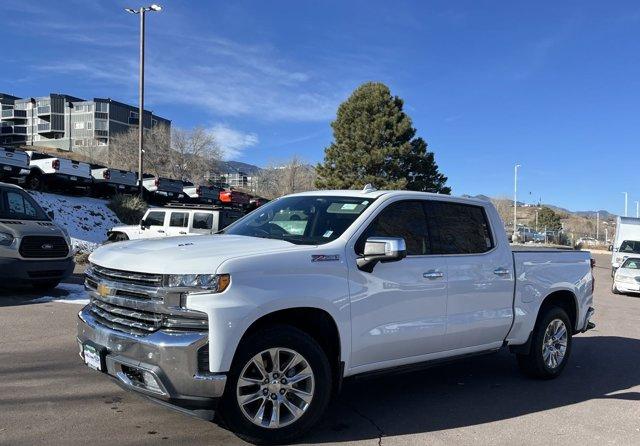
(14, 114)
(46, 128)
(13, 130)
(44, 110)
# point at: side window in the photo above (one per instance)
(179, 219)
(18, 206)
(202, 220)
(155, 219)
(406, 219)
(462, 229)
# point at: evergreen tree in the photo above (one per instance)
(375, 142)
(548, 218)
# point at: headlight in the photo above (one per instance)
(216, 283)
(6, 239)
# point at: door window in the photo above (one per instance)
(155, 218)
(202, 220)
(462, 229)
(20, 207)
(179, 219)
(406, 219)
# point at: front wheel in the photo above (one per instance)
(614, 289)
(550, 345)
(278, 387)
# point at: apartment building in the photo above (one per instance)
(233, 179)
(69, 123)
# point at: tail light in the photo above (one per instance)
(225, 196)
(106, 174)
(55, 164)
(157, 182)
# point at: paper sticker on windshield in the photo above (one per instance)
(349, 206)
(327, 234)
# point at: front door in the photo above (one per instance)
(156, 224)
(398, 311)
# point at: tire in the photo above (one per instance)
(35, 181)
(45, 285)
(285, 341)
(534, 363)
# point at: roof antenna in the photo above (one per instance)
(368, 188)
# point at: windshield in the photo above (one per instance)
(631, 264)
(305, 220)
(630, 246)
(18, 205)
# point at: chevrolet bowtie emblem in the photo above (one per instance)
(103, 290)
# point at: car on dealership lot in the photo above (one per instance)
(627, 277)
(626, 242)
(49, 171)
(34, 250)
(176, 220)
(201, 194)
(162, 190)
(108, 181)
(262, 321)
(12, 162)
(587, 242)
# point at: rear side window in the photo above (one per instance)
(406, 219)
(202, 220)
(226, 218)
(155, 219)
(462, 229)
(179, 219)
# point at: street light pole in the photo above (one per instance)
(626, 197)
(141, 12)
(597, 225)
(637, 209)
(515, 198)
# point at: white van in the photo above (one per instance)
(626, 242)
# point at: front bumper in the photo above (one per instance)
(15, 270)
(162, 365)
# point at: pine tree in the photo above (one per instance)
(375, 142)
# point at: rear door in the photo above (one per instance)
(178, 223)
(480, 275)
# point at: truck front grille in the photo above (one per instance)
(144, 279)
(125, 319)
(43, 247)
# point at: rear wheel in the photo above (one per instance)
(278, 387)
(550, 345)
(35, 181)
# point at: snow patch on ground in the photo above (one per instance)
(86, 219)
(75, 294)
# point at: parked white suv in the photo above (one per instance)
(176, 221)
(265, 320)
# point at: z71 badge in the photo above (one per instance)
(325, 257)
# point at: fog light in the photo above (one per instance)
(150, 382)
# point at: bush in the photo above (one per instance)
(128, 208)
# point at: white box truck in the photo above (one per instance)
(626, 242)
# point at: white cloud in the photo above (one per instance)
(233, 142)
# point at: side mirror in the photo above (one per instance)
(610, 247)
(143, 224)
(51, 214)
(381, 249)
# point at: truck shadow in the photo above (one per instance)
(477, 391)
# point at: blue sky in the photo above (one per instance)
(554, 86)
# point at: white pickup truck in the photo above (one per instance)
(47, 171)
(264, 321)
(12, 162)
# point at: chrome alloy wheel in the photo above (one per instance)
(554, 344)
(275, 388)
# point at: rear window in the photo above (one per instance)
(202, 220)
(462, 229)
(631, 264)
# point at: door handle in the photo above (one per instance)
(501, 272)
(160, 230)
(182, 232)
(433, 275)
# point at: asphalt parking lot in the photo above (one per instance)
(47, 396)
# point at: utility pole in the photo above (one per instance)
(141, 12)
(626, 197)
(598, 226)
(637, 209)
(515, 198)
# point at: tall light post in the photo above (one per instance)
(141, 12)
(637, 209)
(626, 198)
(515, 198)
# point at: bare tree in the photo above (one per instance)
(123, 150)
(194, 152)
(285, 178)
(504, 206)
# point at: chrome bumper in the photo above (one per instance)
(162, 365)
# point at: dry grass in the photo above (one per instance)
(128, 208)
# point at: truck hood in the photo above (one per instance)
(201, 254)
(20, 228)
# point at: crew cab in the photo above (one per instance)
(12, 162)
(48, 171)
(176, 221)
(160, 189)
(108, 181)
(34, 250)
(263, 321)
(201, 194)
